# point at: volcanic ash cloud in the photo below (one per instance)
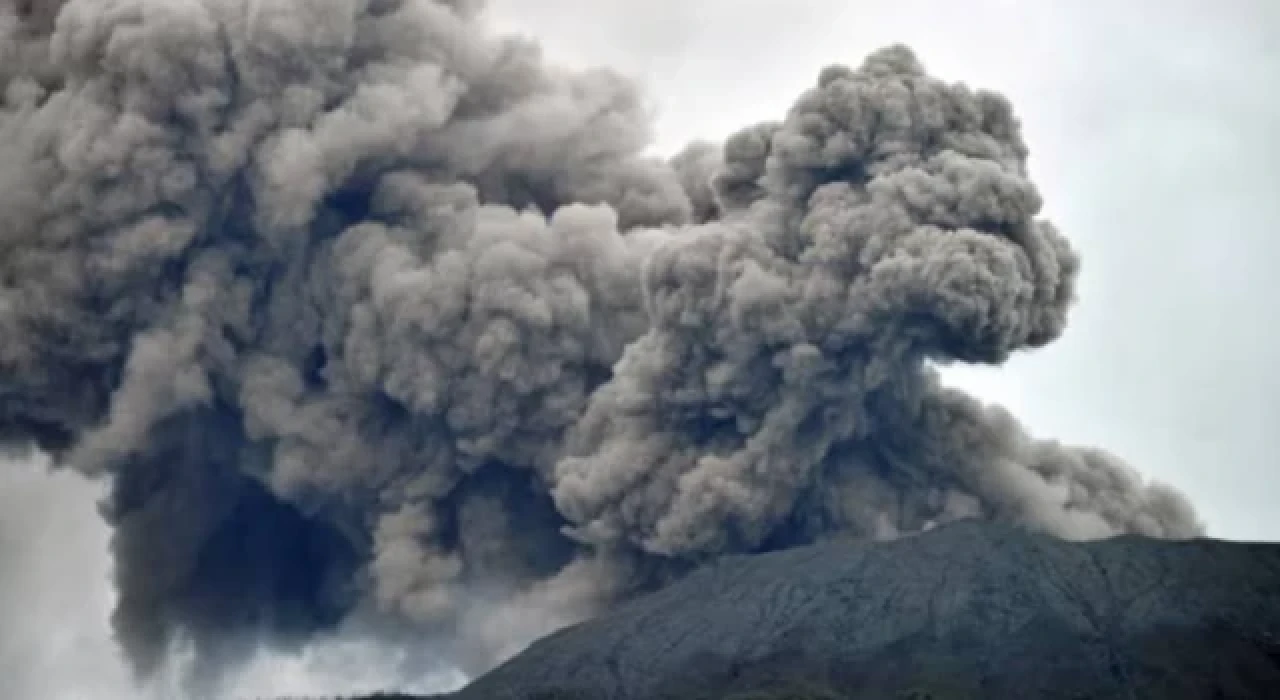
(367, 313)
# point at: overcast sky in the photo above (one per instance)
(1155, 136)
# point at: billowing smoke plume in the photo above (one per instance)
(367, 313)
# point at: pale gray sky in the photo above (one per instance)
(1155, 135)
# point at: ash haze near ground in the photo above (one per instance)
(391, 343)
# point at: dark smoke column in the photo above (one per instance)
(781, 390)
(368, 314)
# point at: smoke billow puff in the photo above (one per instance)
(367, 313)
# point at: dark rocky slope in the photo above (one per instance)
(972, 610)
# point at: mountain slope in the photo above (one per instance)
(971, 610)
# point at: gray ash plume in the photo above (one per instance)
(369, 313)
